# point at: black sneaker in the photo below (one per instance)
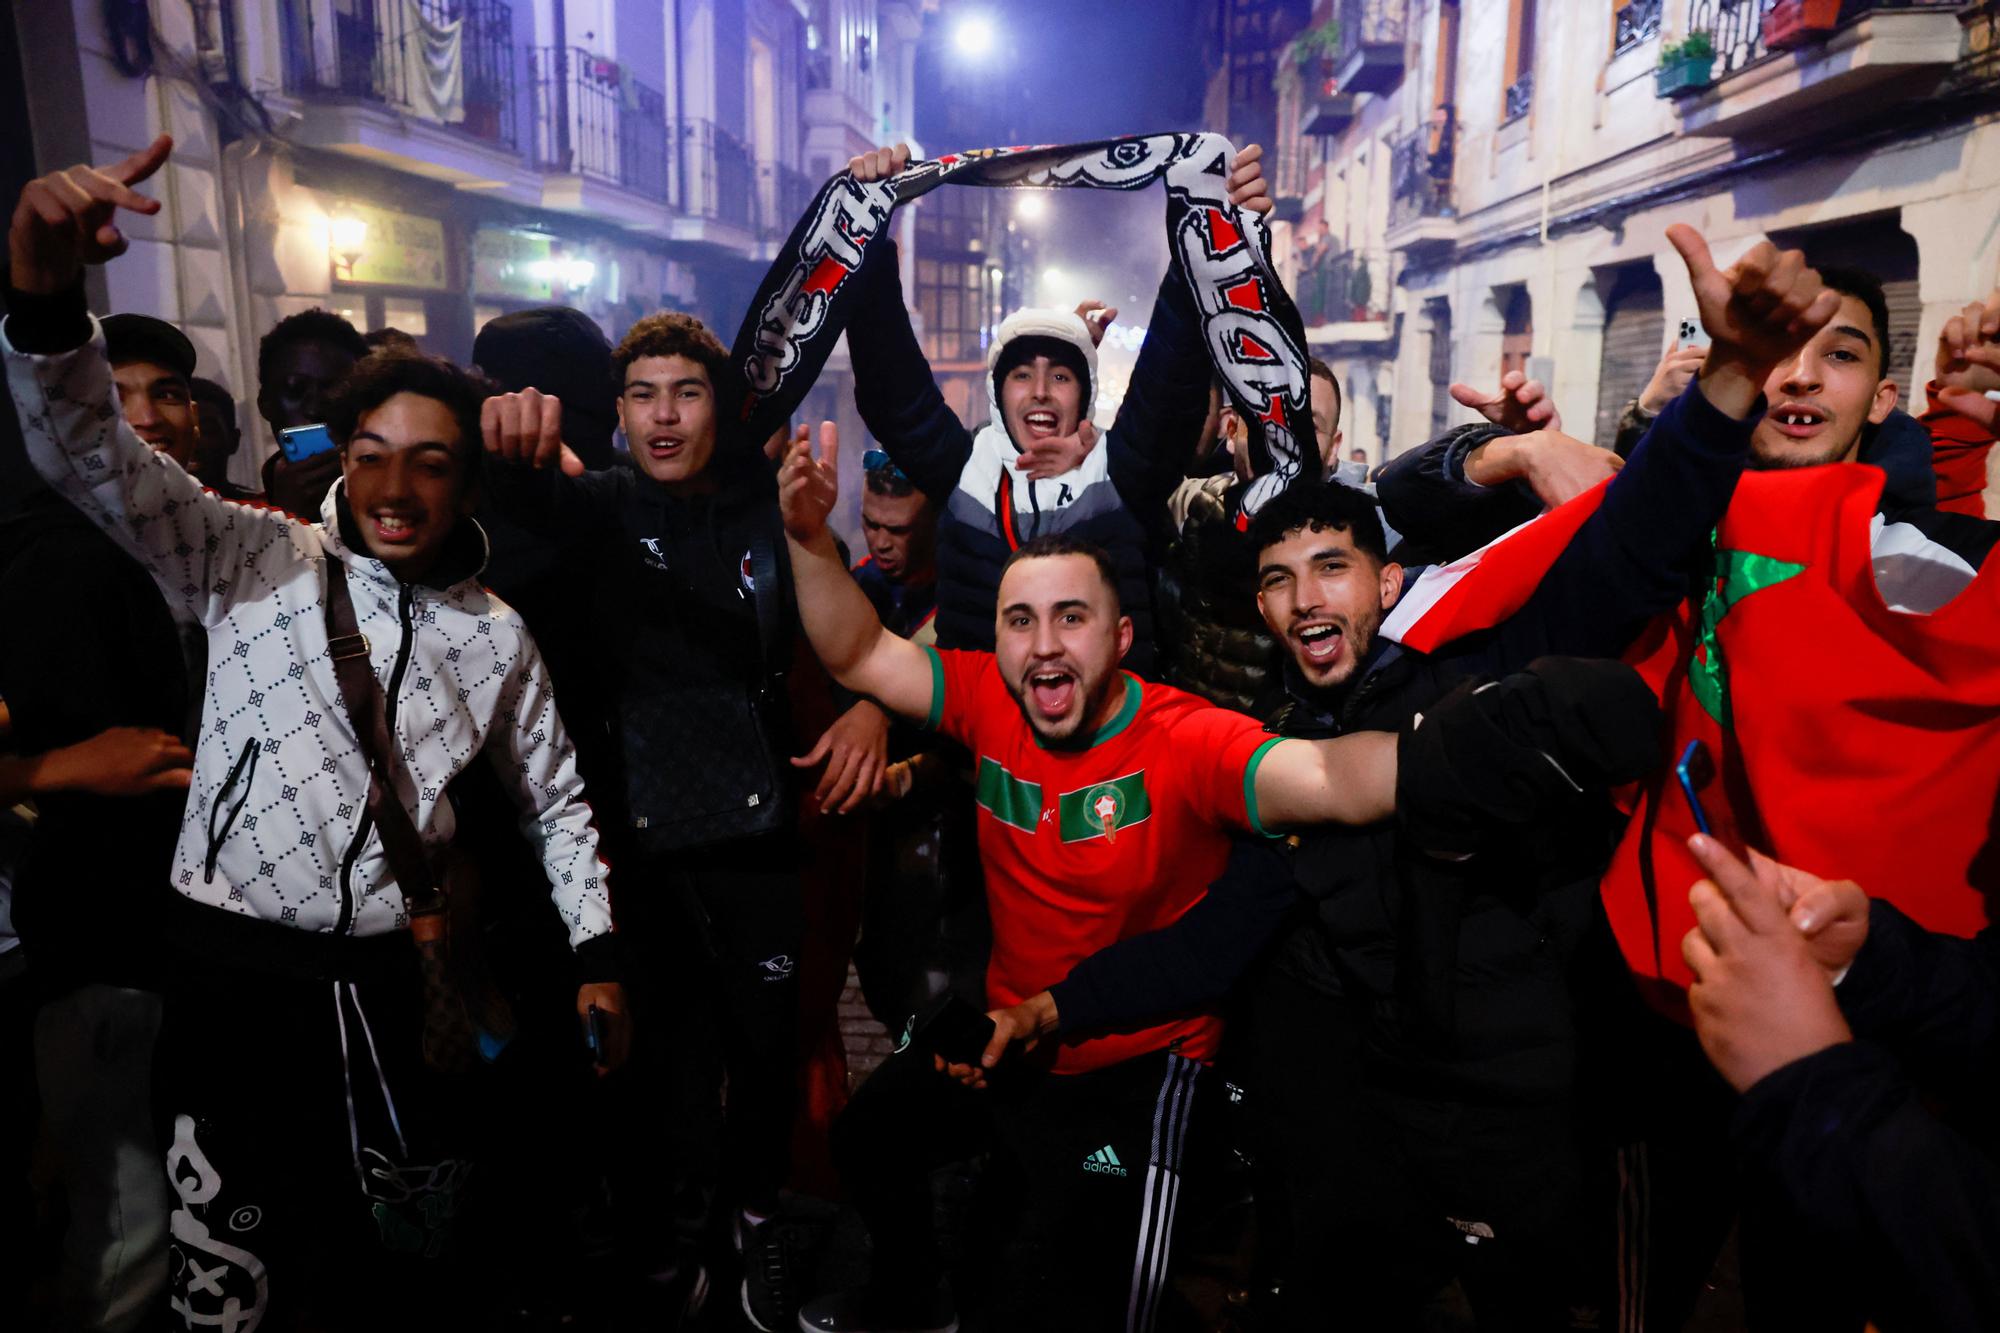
(770, 1260)
(862, 1310)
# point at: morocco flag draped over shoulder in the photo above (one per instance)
(1852, 741)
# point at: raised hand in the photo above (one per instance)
(1247, 186)
(1968, 362)
(1758, 312)
(1052, 457)
(526, 427)
(1096, 317)
(880, 164)
(1671, 376)
(1519, 405)
(64, 220)
(1760, 999)
(808, 487)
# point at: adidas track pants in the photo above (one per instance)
(1079, 1198)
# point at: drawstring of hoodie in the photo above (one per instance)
(347, 1078)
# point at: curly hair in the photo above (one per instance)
(671, 333)
(1319, 506)
(317, 325)
(380, 376)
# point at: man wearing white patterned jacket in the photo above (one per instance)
(316, 1154)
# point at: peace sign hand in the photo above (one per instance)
(64, 220)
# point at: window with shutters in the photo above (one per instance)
(1519, 94)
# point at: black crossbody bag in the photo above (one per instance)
(711, 770)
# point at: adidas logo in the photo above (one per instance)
(1104, 1162)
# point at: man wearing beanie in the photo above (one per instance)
(993, 487)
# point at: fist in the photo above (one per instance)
(880, 164)
(526, 427)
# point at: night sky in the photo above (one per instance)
(1062, 71)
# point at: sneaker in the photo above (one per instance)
(861, 1310)
(770, 1286)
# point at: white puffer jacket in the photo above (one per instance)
(275, 825)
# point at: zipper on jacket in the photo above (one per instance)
(244, 769)
(404, 600)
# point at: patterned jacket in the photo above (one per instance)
(276, 827)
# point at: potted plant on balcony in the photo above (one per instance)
(1686, 65)
(1792, 23)
(1360, 289)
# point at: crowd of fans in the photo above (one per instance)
(1248, 882)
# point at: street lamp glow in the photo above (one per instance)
(973, 36)
(578, 273)
(1031, 208)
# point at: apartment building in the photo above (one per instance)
(1478, 185)
(429, 164)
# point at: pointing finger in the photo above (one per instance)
(145, 162)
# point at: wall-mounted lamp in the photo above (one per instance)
(347, 239)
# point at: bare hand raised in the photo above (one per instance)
(1968, 362)
(1671, 376)
(1758, 312)
(880, 164)
(64, 220)
(1096, 317)
(808, 487)
(1519, 405)
(526, 427)
(1247, 186)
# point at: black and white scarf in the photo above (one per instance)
(1253, 332)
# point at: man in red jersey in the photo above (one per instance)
(1107, 807)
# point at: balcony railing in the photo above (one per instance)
(1739, 27)
(715, 175)
(378, 54)
(782, 196)
(1420, 163)
(1520, 97)
(1372, 34)
(592, 118)
(1342, 287)
(1637, 23)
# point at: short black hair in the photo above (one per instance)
(1866, 288)
(317, 325)
(380, 376)
(1318, 369)
(1060, 351)
(206, 390)
(1320, 506)
(1063, 543)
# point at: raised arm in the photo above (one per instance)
(841, 624)
(192, 543)
(1159, 423)
(893, 386)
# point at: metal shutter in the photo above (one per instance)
(1906, 311)
(1634, 336)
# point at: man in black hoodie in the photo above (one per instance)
(691, 605)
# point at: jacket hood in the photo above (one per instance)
(465, 554)
(1063, 325)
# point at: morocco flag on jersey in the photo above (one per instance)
(1851, 740)
(1085, 847)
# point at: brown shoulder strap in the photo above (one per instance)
(361, 693)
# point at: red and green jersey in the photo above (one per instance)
(1084, 847)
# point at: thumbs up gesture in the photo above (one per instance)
(1758, 312)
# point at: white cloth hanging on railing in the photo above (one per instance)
(433, 64)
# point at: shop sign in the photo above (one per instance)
(396, 250)
(509, 262)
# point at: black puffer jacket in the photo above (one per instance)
(1212, 640)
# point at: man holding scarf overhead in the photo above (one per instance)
(1035, 467)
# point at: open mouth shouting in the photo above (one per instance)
(393, 529)
(1042, 424)
(1053, 691)
(1322, 642)
(665, 448)
(1798, 420)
